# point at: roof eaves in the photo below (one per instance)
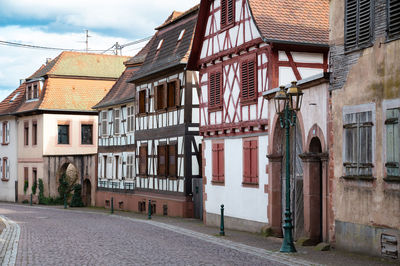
(140, 77)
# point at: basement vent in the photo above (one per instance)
(389, 246)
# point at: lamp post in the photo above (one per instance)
(287, 103)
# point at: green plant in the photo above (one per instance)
(25, 201)
(77, 197)
(34, 187)
(41, 191)
(26, 185)
(63, 187)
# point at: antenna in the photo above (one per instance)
(87, 40)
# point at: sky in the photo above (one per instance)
(62, 24)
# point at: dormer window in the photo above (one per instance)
(29, 92)
(35, 91)
(32, 91)
(160, 44)
(181, 35)
(227, 13)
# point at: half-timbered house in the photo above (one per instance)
(116, 142)
(241, 49)
(166, 134)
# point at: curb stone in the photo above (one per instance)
(9, 242)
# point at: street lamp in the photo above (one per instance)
(287, 103)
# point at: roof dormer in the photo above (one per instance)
(33, 90)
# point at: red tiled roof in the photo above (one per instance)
(12, 101)
(297, 21)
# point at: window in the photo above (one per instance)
(143, 160)
(181, 34)
(131, 119)
(250, 161)
(35, 92)
(26, 133)
(218, 166)
(215, 90)
(34, 175)
(63, 134)
(87, 134)
(5, 169)
(160, 44)
(167, 160)
(104, 122)
(116, 121)
(130, 166)
(227, 13)
(29, 93)
(173, 93)
(116, 159)
(34, 133)
(6, 132)
(358, 23)
(105, 166)
(142, 102)
(160, 97)
(393, 15)
(248, 80)
(358, 144)
(162, 160)
(392, 143)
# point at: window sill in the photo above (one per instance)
(362, 178)
(357, 49)
(5, 180)
(228, 26)
(143, 176)
(248, 102)
(218, 182)
(252, 185)
(214, 109)
(4, 144)
(392, 179)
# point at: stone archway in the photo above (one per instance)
(71, 174)
(87, 193)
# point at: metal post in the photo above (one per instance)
(31, 199)
(222, 227)
(287, 245)
(112, 205)
(65, 201)
(149, 216)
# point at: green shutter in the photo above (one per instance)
(392, 142)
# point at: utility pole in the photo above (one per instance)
(87, 40)
(116, 48)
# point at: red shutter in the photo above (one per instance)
(177, 93)
(162, 160)
(221, 163)
(215, 172)
(231, 11)
(211, 96)
(246, 161)
(218, 89)
(251, 83)
(172, 161)
(143, 160)
(223, 13)
(245, 80)
(254, 161)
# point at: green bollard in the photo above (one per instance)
(112, 205)
(149, 217)
(65, 201)
(222, 228)
(31, 199)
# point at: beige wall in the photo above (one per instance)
(50, 129)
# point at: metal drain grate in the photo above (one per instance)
(389, 246)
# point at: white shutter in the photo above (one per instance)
(1, 168)
(1, 133)
(8, 170)
(7, 132)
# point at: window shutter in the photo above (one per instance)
(254, 161)
(143, 160)
(245, 80)
(212, 90)
(392, 142)
(1, 168)
(218, 89)
(252, 80)
(223, 13)
(246, 161)
(215, 172)
(393, 18)
(162, 159)
(172, 160)
(221, 162)
(364, 34)
(350, 134)
(137, 102)
(365, 143)
(177, 93)
(7, 170)
(231, 11)
(156, 96)
(1, 133)
(358, 31)
(248, 80)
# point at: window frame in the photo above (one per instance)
(357, 109)
(91, 133)
(26, 133)
(5, 169)
(389, 105)
(34, 133)
(67, 125)
(5, 133)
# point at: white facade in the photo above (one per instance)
(8, 157)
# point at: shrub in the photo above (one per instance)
(25, 201)
(77, 197)
(26, 185)
(41, 192)
(34, 187)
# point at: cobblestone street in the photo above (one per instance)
(51, 236)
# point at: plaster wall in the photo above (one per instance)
(7, 186)
(30, 152)
(50, 134)
(244, 203)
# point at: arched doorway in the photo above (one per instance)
(313, 211)
(87, 193)
(69, 174)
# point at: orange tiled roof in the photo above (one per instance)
(12, 101)
(297, 21)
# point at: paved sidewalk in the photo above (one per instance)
(9, 238)
(258, 241)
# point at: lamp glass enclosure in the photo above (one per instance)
(295, 97)
(280, 100)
